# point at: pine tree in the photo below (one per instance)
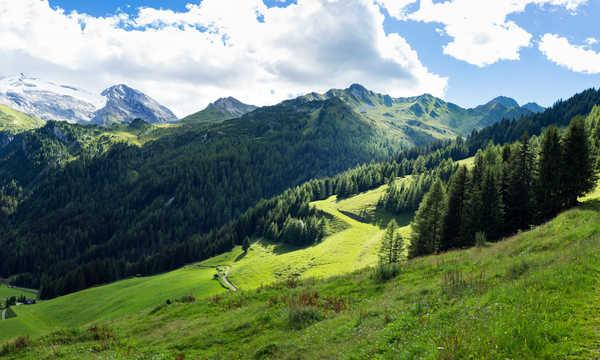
(578, 164)
(428, 223)
(549, 175)
(454, 211)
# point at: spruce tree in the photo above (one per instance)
(492, 209)
(246, 244)
(454, 212)
(428, 223)
(519, 204)
(578, 164)
(386, 252)
(549, 175)
(398, 248)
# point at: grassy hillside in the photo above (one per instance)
(351, 246)
(534, 295)
(13, 121)
(6, 292)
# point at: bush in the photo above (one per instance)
(15, 346)
(299, 317)
(187, 299)
(385, 272)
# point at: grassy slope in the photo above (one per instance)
(109, 301)
(534, 295)
(352, 246)
(13, 121)
(6, 292)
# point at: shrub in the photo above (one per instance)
(15, 346)
(385, 272)
(187, 299)
(299, 317)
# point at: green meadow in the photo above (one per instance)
(531, 296)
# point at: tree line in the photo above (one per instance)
(509, 188)
(135, 238)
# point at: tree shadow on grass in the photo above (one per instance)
(592, 204)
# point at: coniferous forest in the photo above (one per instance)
(105, 229)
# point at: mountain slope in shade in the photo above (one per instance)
(124, 104)
(48, 100)
(220, 110)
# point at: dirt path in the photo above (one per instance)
(223, 276)
(4, 314)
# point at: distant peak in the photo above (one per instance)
(534, 107)
(232, 106)
(505, 101)
(358, 88)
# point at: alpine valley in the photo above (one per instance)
(345, 224)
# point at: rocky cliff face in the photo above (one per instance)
(124, 104)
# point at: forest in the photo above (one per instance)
(107, 230)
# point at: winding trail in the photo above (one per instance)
(4, 314)
(223, 275)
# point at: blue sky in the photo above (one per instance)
(185, 56)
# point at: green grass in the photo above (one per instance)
(353, 245)
(110, 301)
(532, 296)
(6, 292)
(13, 121)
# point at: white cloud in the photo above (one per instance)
(480, 31)
(187, 59)
(591, 41)
(396, 8)
(574, 57)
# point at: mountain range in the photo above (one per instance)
(424, 117)
(51, 101)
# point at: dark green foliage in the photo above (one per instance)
(520, 188)
(246, 244)
(456, 208)
(299, 317)
(578, 163)
(428, 223)
(508, 189)
(549, 187)
(384, 272)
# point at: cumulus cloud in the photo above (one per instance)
(186, 59)
(480, 31)
(574, 57)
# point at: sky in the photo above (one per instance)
(188, 53)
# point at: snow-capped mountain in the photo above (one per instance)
(52, 101)
(48, 100)
(124, 104)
